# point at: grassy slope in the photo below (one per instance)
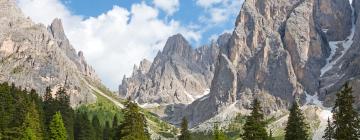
(105, 110)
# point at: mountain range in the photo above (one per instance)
(278, 52)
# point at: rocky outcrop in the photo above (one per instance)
(329, 13)
(34, 57)
(178, 75)
(306, 45)
(345, 66)
(277, 52)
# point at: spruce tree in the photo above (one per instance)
(83, 128)
(133, 127)
(97, 128)
(32, 124)
(63, 105)
(255, 125)
(185, 133)
(57, 128)
(218, 134)
(346, 120)
(329, 131)
(296, 128)
(107, 131)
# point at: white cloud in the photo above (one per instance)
(219, 11)
(113, 41)
(169, 6)
(207, 3)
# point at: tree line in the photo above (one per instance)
(24, 115)
(345, 124)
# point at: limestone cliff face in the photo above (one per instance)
(334, 18)
(178, 75)
(277, 51)
(34, 57)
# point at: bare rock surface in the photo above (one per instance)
(33, 56)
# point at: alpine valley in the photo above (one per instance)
(280, 52)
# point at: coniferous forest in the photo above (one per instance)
(27, 116)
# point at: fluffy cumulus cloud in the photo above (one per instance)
(169, 6)
(116, 40)
(219, 11)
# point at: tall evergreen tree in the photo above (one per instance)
(57, 128)
(185, 133)
(63, 105)
(115, 129)
(107, 131)
(296, 128)
(83, 128)
(255, 125)
(133, 127)
(32, 124)
(97, 128)
(329, 131)
(218, 134)
(346, 120)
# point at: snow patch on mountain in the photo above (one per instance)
(334, 45)
(324, 114)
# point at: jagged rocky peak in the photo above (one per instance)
(144, 66)
(34, 57)
(57, 30)
(277, 52)
(179, 74)
(177, 45)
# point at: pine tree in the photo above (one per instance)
(185, 133)
(83, 128)
(63, 105)
(133, 127)
(115, 129)
(107, 131)
(329, 131)
(97, 128)
(218, 134)
(255, 125)
(32, 124)
(57, 128)
(346, 120)
(296, 128)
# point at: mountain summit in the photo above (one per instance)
(34, 56)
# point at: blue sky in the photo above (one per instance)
(188, 14)
(115, 35)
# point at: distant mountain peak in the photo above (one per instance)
(177, 45)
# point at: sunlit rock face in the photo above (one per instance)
(279, 50)
(34, 56)
(179, 74)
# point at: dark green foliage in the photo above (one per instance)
(83, 128)
(134, 126)
(218, 134)
(329, 131)
(107, 132)
(346, 120)
(97, 128)
(20, 113)
(255, 126)
(185, 133)
(63, 104)
(296, 128)
(57, 129)
(32, 124)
